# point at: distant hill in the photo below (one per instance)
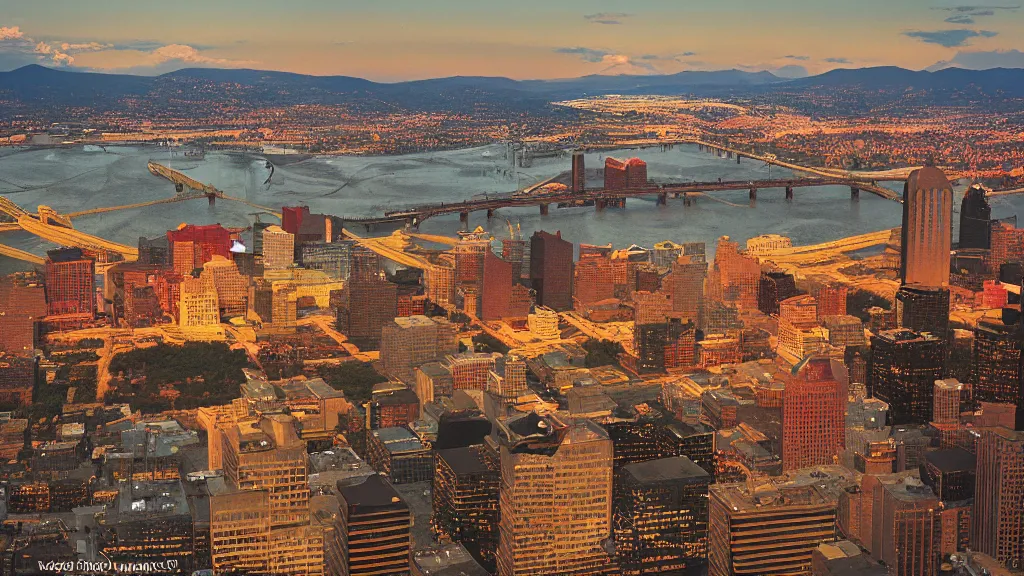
(1008, 81)
(198, 90)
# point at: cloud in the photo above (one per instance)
(949, 38)
(838, 60)
(967, 14)
(162, 58)
(982, 60)
(85, 47)
(585, 54)
(10, 33)
(607, 17)
(794, 57)
(623, 64)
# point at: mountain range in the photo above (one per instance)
(37, 87)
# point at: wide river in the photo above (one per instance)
(78, 178)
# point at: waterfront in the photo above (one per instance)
(79, 178)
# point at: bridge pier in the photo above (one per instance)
(543, 209)
(687, 200)
(728, 155)
(212, 198)
(789, 192)
(753, 194)
(738, 156)
(854, 193)
(662, 199)
(464, 217)
(490, 213)
(179, 187)
(600, 204)
(675, 195)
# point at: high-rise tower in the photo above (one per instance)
(927, 220)
(975, 219)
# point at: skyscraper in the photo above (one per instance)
(813, 415)
(465, 500)
(551, 270)
(412, 341)
(997, 525)
(372, 534)
(923, 309)
(771, 530)
(903, 370)
(369, 301)
(661, 516)
(496, 288)
(278, 248)
(927, 221)
(997, 359)
(774, 287)
(555, 497)
(975, 219)
(579, 171)
(259, 516)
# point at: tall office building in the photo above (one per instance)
(594, 280)
(513, 251)
(774, 287)
(686, 284)
(661, 516)
(332, 258)
(813, 415)
(771, 530)
(368, 302)
(259, 513)
(198, 305)
(927, 225)
(278, 248)
(465, 500)
(909, 528)
(551, 270)
(903, 370)
(923, 309)
(579, 171)
(508, 378)
(997, 524)
(831, 300)
(997, 358)
(496, 300)
(372, 533)
(70, 283)
(412, 341)
(192, 246)
(975, 219)
(555, 497)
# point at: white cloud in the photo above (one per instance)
(85, 47)
(43, 48)
(10, 33)
(982, 60)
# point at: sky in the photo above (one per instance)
(394, 40)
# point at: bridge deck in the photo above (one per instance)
(520, 200)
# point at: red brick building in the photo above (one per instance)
(594, 281)
(813, 416)
(70, 283)
(197, 245)
(496, 296)
(831, 300)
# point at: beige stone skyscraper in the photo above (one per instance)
(927, 221)
(555, 497)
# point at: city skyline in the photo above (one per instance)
(400, 40)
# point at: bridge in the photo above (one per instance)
(726, 151)
(53, 227)
(601, 197)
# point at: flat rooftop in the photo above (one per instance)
(678, 468)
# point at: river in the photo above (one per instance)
(82, 177)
